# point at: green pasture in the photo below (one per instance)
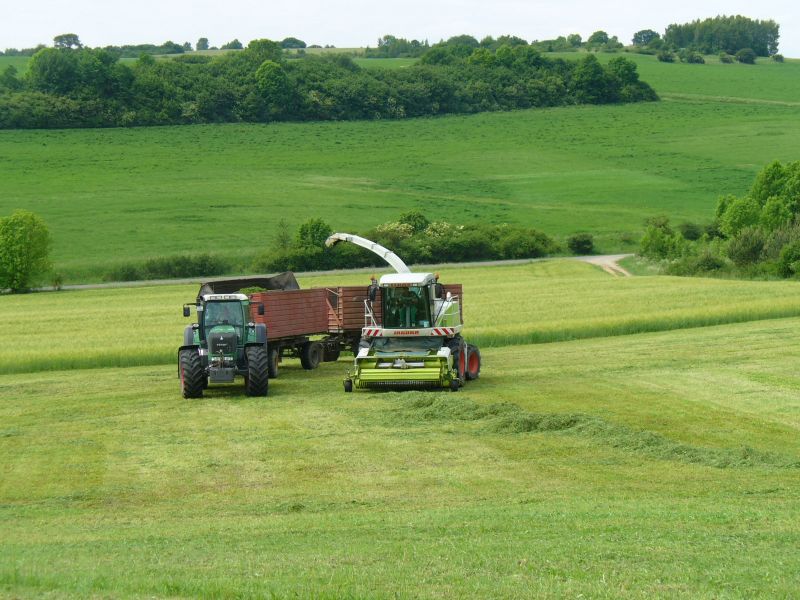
(654, 465)
(20, 63)
(113, 196)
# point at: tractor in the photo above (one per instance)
(222, 344)
(411, 337)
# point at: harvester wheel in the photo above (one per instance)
(274, 358)
(257, 380)
(311, 355)
(191, 371)
(348, 385)
(473, 362)
(454, 385)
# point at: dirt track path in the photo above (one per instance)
(609, 263)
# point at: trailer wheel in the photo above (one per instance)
(311, 355)
(348, 385)
(257, 380)
(274, 358)
(191, 372)
(473, 362)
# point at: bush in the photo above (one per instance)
(701, 264)
(170, 267)
(666, 56)
(789, 260)
(690, 231)
(725, 58)
(24, 250)
(746, 56)
(746, 246)
(581, 243)
(777, 58)
(660, 241)
(691, 57)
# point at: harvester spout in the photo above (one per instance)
(387, 255)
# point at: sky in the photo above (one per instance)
(361, 22)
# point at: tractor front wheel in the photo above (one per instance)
(311, 355)
(191, 371)
(257, 381)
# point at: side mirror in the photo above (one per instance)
(260, 309)
(186, 311)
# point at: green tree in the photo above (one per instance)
(416, 220)
(67, 40)
(24, 250)
(232, 45)
(574, 40)
(292, 42)
(598, 38)
(274, 86)
(313, 233)
(202, 44)
(644, 37)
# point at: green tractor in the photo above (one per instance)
(222, 344)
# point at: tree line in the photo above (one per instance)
(83, 87)
(726, 35)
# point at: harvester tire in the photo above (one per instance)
(454, 385)
(274, 355)
(311, 355)
(348, 385)
(191, 372)
(257, 380)
(473, 362)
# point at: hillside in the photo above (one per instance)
(224, 189)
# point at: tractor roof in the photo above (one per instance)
(400, 279)
(223, 297)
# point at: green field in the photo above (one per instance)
(111, 196)
(660, 464)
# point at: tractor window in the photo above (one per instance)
(406, 307)
(224, 313)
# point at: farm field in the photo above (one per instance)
(516, 305)
(147, 192)
(653, 464)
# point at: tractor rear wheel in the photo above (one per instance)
(311, 355)
(274, 358)
(257, 380)
(473, 362)
(191, 371)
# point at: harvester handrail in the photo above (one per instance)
(369, 315)
(452, 300)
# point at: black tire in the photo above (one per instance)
(190, 368)
(311, 355)
(454, 385)
(257, 380)
(473, 362)
(348, 385)
(274, 355)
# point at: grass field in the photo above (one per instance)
(112, 196)
(517, 305)
(648, 465)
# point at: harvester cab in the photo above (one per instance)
(222, 344)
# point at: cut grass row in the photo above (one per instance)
(114, 485)
(504, 305)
